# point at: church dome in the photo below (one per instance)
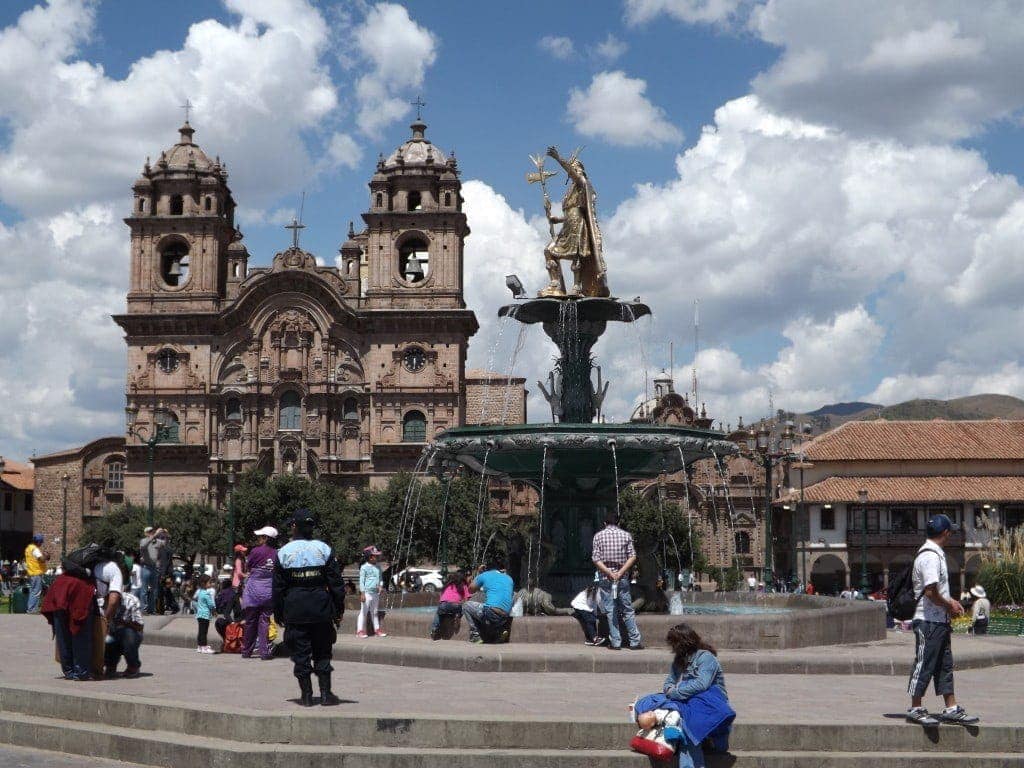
(417, 151)
(186, 155)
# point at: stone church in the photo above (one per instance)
(338, 373)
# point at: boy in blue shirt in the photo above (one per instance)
(491, 617)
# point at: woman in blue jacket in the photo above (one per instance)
(695, 686)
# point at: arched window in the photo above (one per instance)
(291, 410)
(174, 264)
(177, 205)
(415, 201)
(209, 203)
(168, 425)
(414, 427)
(114, 471)
(142, 205)
(447, 199)
(380, 200)
(414, 259)
(350, 408)
(233, 410)
(742, 543)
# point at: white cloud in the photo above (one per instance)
(343, 150)
(399, 52)
(688, 11)
(615, 110)
(936, 70)
(611, 48)
(560, 47)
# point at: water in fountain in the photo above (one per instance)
(533, 580)
(615, 463)
(502, 324)
(480, 507)
(442, 549)
(728, 502)
(628, 309)
(416, 479)
(520, 339)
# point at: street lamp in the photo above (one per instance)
(865, 586)
(231, 510)
(805, 519)
(160, 433)
(65, 481)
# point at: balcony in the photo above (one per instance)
(895, 539)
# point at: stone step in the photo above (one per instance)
(319, 726)
(165, 749)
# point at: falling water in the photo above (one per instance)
(686, 501)
(615, 463)
(440, 534)
(480, 507)
(511, 369)
(628, 308)
(414, 481)
(502, 324)
(534, 579)
(730, 508)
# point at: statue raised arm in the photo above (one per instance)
(579, 239)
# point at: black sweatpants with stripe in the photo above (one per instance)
(933, 658)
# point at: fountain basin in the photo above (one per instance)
(579, 456)
(588, 309)
(728, 620)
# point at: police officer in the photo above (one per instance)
(309, 600)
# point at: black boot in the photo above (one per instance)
(327, 698)
(306, 691)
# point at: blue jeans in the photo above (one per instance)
(149, 589)
(616, 608)
(444, 609)
(35, 593)
(690, 755)
(75, 651)
(483, 621)
(126, 643)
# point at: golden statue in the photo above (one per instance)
(579, 240)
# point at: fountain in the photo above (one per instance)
(577, 462)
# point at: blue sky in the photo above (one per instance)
(836, 183)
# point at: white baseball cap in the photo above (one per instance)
(267, 530)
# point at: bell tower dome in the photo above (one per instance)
(182, 222)
(415, 228)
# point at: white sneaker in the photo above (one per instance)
(208, 649)
(199, 649)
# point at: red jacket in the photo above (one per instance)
(71, 594)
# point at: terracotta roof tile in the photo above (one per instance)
(937, 440)
(18, 475)
(926, 489)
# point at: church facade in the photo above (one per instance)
(342, 374)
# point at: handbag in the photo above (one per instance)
(232, 638)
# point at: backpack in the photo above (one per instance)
(902, 600)
(232, 638)
(80, 562)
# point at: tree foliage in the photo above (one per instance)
(661, 532)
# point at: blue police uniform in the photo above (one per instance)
(309, 599)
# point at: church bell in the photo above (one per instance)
(175, 270)
(413, 269)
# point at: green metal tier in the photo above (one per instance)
(579, 456)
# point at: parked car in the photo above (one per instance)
(430, 578)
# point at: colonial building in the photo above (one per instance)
(337, 373)
(873, 484)
(723, 500)
(17, 485)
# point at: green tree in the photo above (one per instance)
(195, 529)
(661, 533)
(121, 528)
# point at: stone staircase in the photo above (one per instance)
(172, 734)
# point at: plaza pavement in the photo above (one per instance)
(181, 675)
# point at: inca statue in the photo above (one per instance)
(579, 240)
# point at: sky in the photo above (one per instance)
(836, 183)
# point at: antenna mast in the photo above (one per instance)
(696, 347)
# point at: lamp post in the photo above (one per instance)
(231, 511)
(865, 586)
(65, 481)
(160, 433)
(759, 447)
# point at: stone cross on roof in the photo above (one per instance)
(419, 104)
(295, 226)
(188, 106)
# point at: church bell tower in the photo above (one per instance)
(415, 228)
(182, 223)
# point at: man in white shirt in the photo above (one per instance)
(109, 587)
(932, 630)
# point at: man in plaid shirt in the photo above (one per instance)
(614, 555)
